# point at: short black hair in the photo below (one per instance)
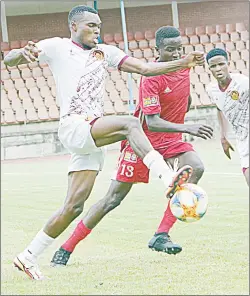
(78, 10)
(165, 32)
(216, 52)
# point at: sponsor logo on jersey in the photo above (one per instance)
(150, 101)
(167, 90)
(98, 54)
(235, 95)
(131, 157)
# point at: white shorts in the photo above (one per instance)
(74, 133)
(243, 149)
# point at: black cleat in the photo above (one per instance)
(161, 242)
(60, 258)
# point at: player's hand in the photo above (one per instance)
(226, 147)
(30, 52)
(200, 130)
(194, 58)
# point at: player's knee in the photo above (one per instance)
(112, 202)
(73, 209)
(198, 169)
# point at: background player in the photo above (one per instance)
(230, 93)
(163, 103)
(79, 66)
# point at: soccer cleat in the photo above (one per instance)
(60, 258)
(181, 177)
(29, 267)
(161, 242)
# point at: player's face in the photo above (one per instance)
(218, 65)
(87, 29)
(171, 49)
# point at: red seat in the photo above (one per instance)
(5, 46)
(108, 38)
(118, 37)
(15, 44)
(139, 36)
(149, 35)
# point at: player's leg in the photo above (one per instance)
(111, 129)
(246, 174)
(161, 241)
(116, 193)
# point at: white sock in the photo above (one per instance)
(156, 163)
(40, 242)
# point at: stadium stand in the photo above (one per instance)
(28, 92)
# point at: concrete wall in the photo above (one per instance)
(40, 139)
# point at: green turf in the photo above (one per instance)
(115, 259)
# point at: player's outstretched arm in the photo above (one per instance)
(133, 65)
(25, 55)
(157, 124)
(223, 128)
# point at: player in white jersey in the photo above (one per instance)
(79, 66)
(230, 93)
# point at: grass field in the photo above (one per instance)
(115, 259)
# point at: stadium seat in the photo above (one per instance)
(8, 84)
(205, 100)
(231, 66)
(152, 43)
(182, 31)
(210, 30)
(247, 44)
(245, 72)
(119, 107)
(23, 93)
(194, 39)
(53, 112)
(208, 47)
(26, 73)
(201, 30)
(124, 95)
(147, 53)
(5, 103)
(118, 37)
(42, 113)
(230, 46)
(204, 39)
(149, 35)
(15, 74)
(19, 83)
(224, 37)
(33, 65)
(199, 69)
(119, 84)
(49, 101)
(234, 55)
(240, 65)
(245, 54)
(53, 91)
(37, 72)
(3, 94)
(40, 82)
(27, 103)
(235, 36)
(47, 72)
(130, 36)
(199, 47)
(108, 38)
(136, 76)
(5, 46)
(185, 40)
(30, 82)
(188, 48)
(121, 45)
(220, 28)
(137, 54)
(139, 36)
(16, 104)
(199, 88)
(244, 35)
(124, 75)
(50, 81)
(115, 75)
(144, 43)
(23, 43)
(114, 95)
(220, 45)
(109, 85)
(230, 28)
(194, 78)
(132, 45)
(189, 31)
(15, 44)
(20, 115)
(240, 27)
(31, 114)
(204, 78)
(240, 45)
(214, 38)
(195, 100)
(3, 67)
(5, 75)
(9, 116)
(106, 98)
(108, 108)
(34, 92)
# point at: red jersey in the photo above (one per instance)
(168, 96)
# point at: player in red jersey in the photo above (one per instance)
(163, 103)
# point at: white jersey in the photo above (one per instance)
(79, 74)
(234, 103)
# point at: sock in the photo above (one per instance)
(167, 221)
(80, 232)
(40, 242)
(156, 163)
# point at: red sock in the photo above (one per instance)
(80, 232)
(167, 221)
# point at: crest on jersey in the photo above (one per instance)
(131, 157)
(150, 101)
(167, 90)
(98, 54)
(235, 95)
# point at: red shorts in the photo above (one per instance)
(131, 168)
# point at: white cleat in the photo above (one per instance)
(29, 267)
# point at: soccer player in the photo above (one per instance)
(79, 66)
(230, 93)
(163, 103)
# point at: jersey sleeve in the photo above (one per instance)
(150, 95)
(115, 56)
(49, 48)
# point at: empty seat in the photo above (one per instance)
(31, 114)
(139, 36)
(124, 95)
(147, 53)
(38, 102)
(199, 69)
(235, 36)
(200, 30)
(210, 30)
(5, 46)
(245, 54)
(50, 81)
(214, 38)
(240, 27)
(15, 44)
(22, 66)
(199, 47)
(144, 43)
(220, 28)
(195, 100)
(108, 108)
(34, 92)
(230, 46)
(224, 37)
(19, 83)
(220, 45)
(245, 72)
(194, 39)
(109, 86)
(152, 43)
(5, 103)
(244, 35)
(118, 37)
(149, 35)
(188, 48)
(204, 78)
(235, 55)
(121, 45)
(230, 28)
(132, 45)
(247, 44)
(185, 40)
(15, 74)
(208, 47)
(240, 45)
(42, 113)
(40, 82)
(5, 75)
(190, 31)
(107, 38)
(199, 88)
(33, 65)
(53, 91)
(16, 104)
(12, 94)
(115, 75)
(204, 39)
(231, 65)
(3, 67)
(114, 95)
(8, 84)
(119, 84)
(37, 72)
(53, 112)
(23, 93)
(49, 101)
(30, 82)
(20, 115)
(47, 72)
(194, 78)
(23, 43)
(120, 108)
(27, 103)
(26, 73)
(45, 91)
(205, 100)
(9, 116)
(240, 65)
(2, 117)
(138, 54)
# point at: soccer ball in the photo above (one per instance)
(189, 203)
